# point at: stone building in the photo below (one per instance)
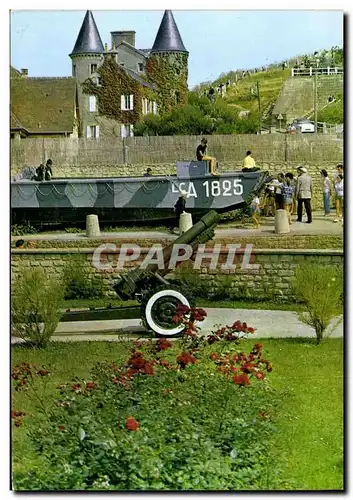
(110, 89)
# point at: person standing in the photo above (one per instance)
(287, 192)
(339, 198)
(278, 184)
(201, 154)
(255, 210)
(304, 193)
(326, 191)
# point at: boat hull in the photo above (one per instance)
(126, 198)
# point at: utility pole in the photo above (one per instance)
(258, 99)
(315, 97)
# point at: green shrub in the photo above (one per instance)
(320, 288)
(21, 229)
(164, 420)
(36, 299)
(78, 285)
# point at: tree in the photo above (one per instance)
(320, 288)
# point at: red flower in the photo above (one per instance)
(263, 414)
(61, 427)
(211, 339)
(182, 309)
(185, 358)
(163, 344)
(214, 356)
(252, 330)
(241, 380)
(76, 387)
(131, 424)
(248, 368)
(16, 414)
(147, 369)
(23, 381)
(164, 363)
(260, 375)
(269, 367)
(177, 319)
(43, 372)
(90, 386)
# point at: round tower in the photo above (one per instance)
(167, 65)
(86, 57)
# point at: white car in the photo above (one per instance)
(304, 125)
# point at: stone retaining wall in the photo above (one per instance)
(268, 275)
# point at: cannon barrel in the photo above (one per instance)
(133, 281)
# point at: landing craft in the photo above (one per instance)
(124, 199)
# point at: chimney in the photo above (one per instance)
(24, 72)
(126, 36)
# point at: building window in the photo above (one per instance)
(140, 67)
(154, 108)
(99, 81)
(127, 102)
(92, 103)
(92, 131)
(127, 130)
(93, 68)
(177, 97)
(74, 70)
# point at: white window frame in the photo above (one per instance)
(94, 129)
(92, 103)
(154, 108)
(127, 102)
(127, 130)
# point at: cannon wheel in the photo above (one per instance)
(159, 307)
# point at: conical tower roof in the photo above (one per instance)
(168, 38)
(88, 40)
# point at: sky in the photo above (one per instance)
(217, 41)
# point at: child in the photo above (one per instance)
(255, 210)
(287, 192)
(339, 197)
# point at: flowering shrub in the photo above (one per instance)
(174, 416)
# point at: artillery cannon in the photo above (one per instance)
(157, 296)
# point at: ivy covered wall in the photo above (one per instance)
(115, 82)
(169, 71)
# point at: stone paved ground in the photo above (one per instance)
(320, 226)
(268, 324)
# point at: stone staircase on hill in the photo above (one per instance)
(296, 99)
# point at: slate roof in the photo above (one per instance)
(145, 51)
(138, 79)
(43, 105)
(15, 123)
(168, 38)
(88, 40)
(127, 44)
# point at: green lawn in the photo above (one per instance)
(309, 443)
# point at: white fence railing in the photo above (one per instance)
(319, 71)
